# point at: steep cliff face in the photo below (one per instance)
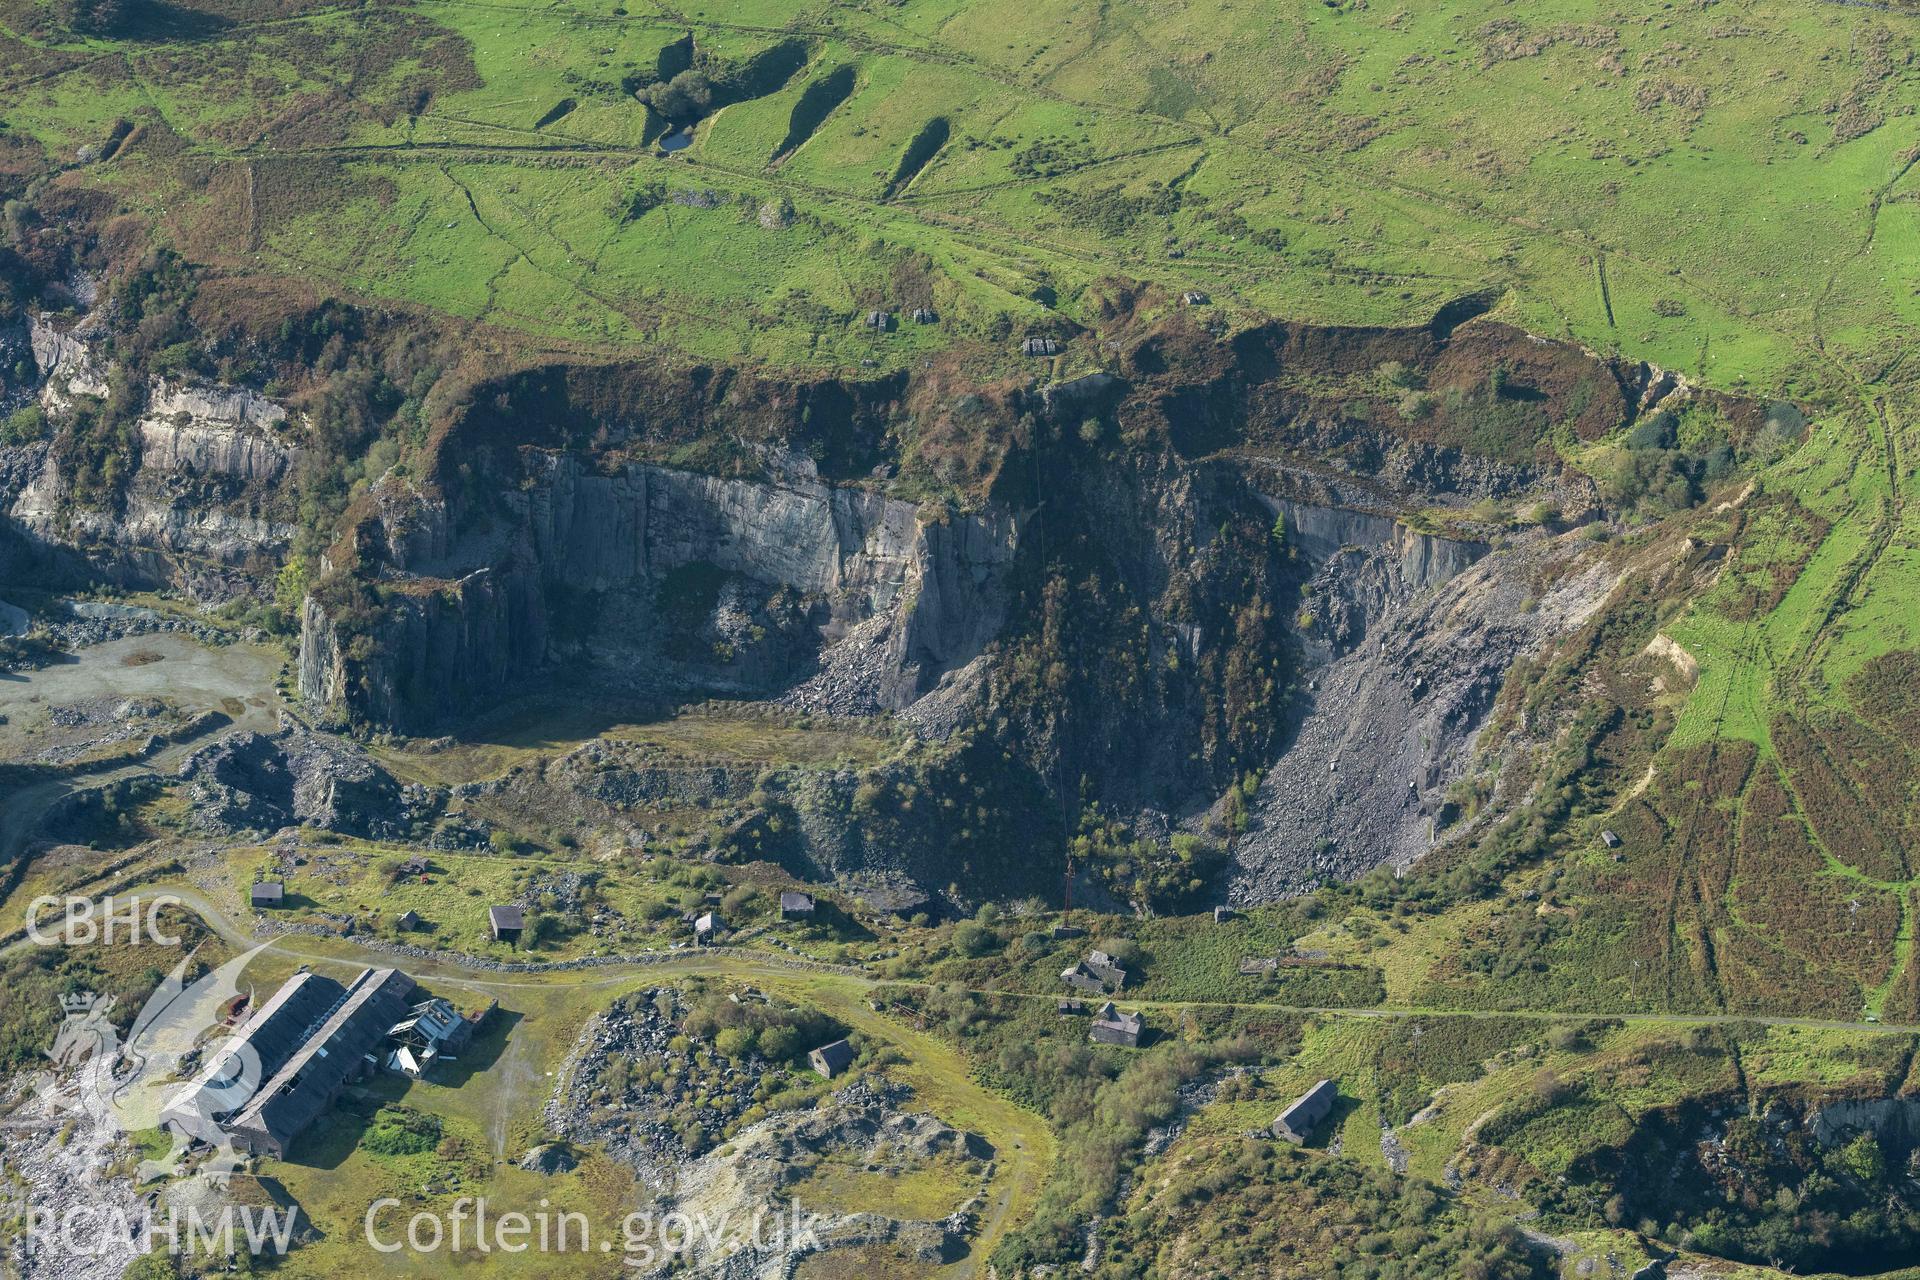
(1397, 691)
(16, 360)
(1236, 591)
(203, 507)
(209, 540)
(1370, 566)
(68, 363)
(666, 579)
(437, 645)
(1193, 567)
(191, 430)
(1895, 1121)
(1405, 638)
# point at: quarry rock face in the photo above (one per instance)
(1396, 698)
(1895, 1120)
(436, 648)
(196, 430)
(603, 532)
(650, 551)
(205, 501)
(555, 554)
(171, 532)
(844, 599)
(68, 363)
(1383, 563)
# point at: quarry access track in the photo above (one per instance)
(936, 1071)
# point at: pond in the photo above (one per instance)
(678, 140)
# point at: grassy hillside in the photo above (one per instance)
(1719, 188)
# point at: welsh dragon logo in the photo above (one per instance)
(167, 1074)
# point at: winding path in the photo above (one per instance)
(514, 1084)
(937, 1073)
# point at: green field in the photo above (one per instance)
(1720, 189)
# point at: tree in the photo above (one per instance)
(24, 426)
(778, 1043)
(1864, 1159)
(681, 100)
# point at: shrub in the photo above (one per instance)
(1395, 374)
(774, 1031)
(1655, 431)
(971, 938)
(1568, 1038)
(24, 425)
(736, 1042)
(402, 1131)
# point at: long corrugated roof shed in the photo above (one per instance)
(269, 1036)
(308, 1082)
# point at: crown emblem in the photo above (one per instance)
(79, 1001)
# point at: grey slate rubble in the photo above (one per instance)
(254, 782)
